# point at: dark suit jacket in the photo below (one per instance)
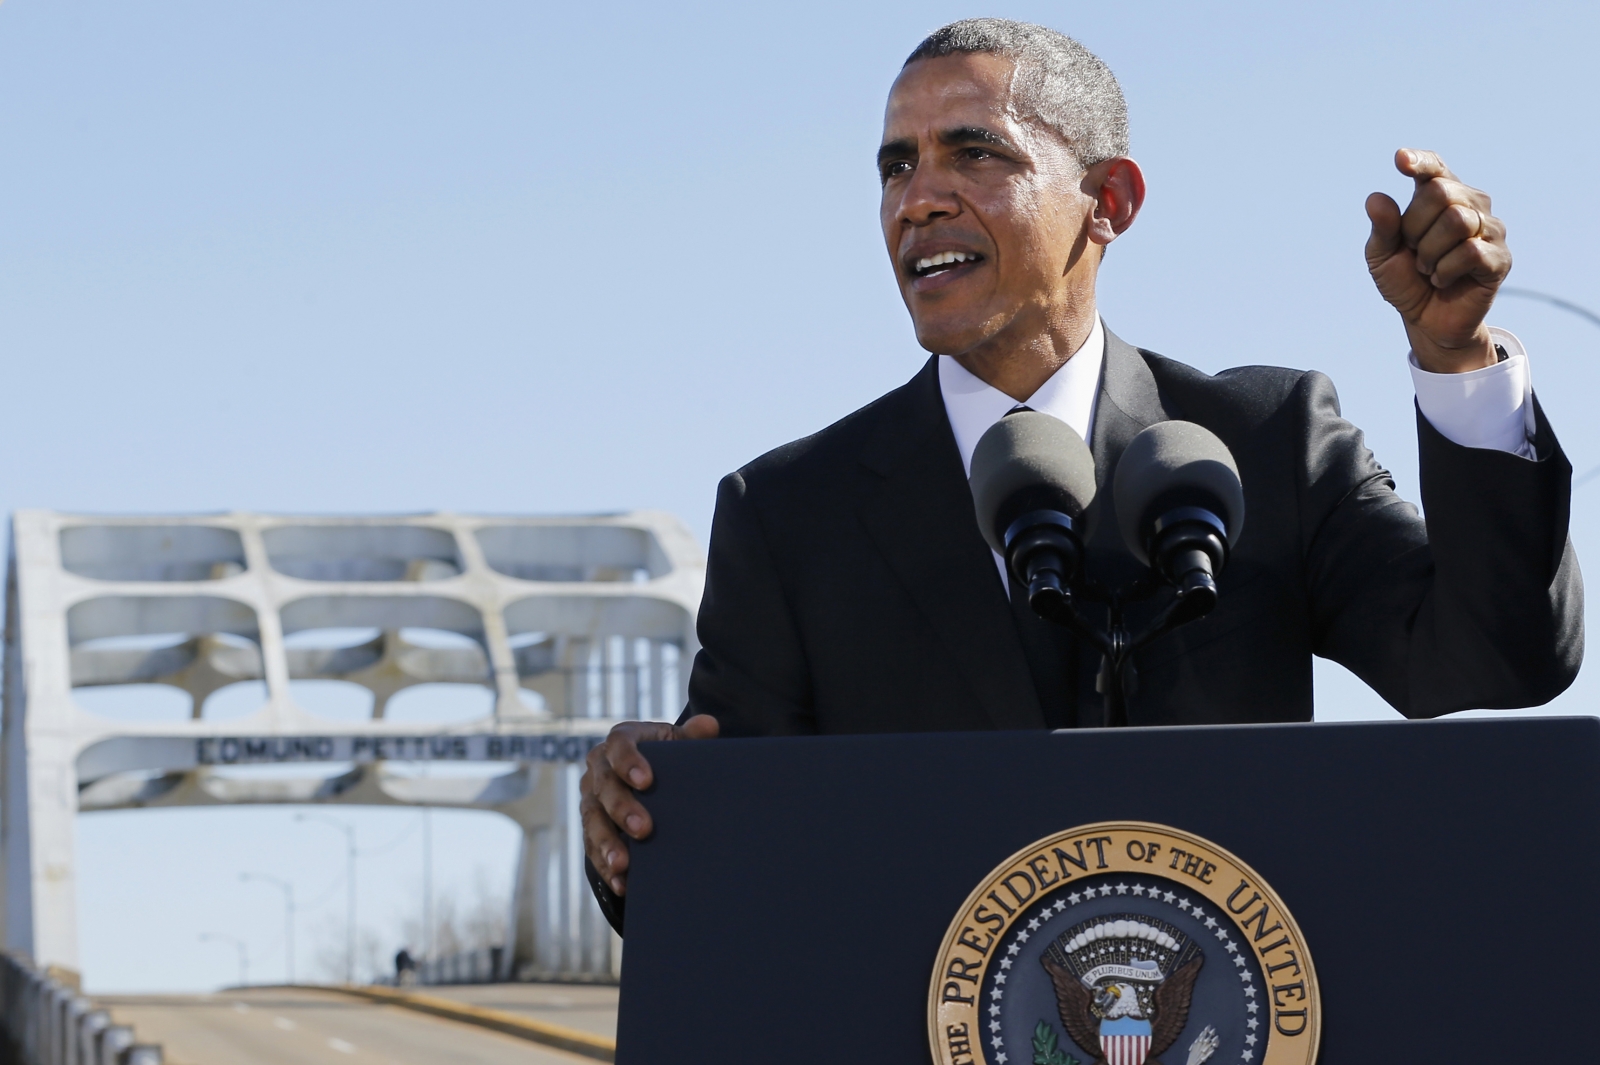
(848, 588)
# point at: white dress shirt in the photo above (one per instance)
(1489, 408)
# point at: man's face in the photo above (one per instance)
(982, 210)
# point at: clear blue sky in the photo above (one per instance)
(550, 257)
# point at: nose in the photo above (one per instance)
(927, 197)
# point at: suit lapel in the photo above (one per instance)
(1128, 403)
(919, 515)
(918, 512)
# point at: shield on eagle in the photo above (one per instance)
(1123, 985)
(1125, 1041)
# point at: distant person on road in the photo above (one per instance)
(405, 969)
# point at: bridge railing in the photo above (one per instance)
(45, 1022)
(486, 965)
(483, 966)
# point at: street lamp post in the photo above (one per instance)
(427, 881)
(350, 933)
(288, 919)
(427, 877)
(244, 953)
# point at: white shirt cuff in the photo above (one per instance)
(1488, 408)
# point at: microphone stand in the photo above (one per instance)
(1116, 644)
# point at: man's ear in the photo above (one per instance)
(1117, 186)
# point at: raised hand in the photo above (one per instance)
(1440, 263)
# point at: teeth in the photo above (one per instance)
(944, 258)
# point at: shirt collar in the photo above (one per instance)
(1070, 393)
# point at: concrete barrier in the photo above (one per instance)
(572, 1040)
(45, 1022)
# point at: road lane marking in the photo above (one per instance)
(341, 1046)
(284, 1023)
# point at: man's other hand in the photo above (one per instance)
(1439, 263)
(609, 807)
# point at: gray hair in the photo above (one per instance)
(1067, 86)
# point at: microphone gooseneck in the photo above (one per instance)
(1189, 547)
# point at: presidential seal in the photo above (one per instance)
(1123, 943)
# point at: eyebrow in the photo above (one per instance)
(903, 148)
(906, 147)
(974, 135)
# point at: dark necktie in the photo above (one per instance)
(1052, 657)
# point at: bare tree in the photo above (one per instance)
(373, 959)
(328, 962)
(475, 922)
(485, 922)
(461, 925)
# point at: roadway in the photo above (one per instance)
(303, 1026)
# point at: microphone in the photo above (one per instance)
(1032, 478)
(1180, 508)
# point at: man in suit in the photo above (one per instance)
(848, 588)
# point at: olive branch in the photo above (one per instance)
(1045, 1050)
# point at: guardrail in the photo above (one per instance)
(486, 965)
(483, 966)
(46, 1022)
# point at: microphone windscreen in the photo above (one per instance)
(1175, 464)
(1029, 461)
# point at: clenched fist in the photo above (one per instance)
(1439, 263)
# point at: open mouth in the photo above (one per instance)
(944, 262)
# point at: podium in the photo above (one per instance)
(795, 898)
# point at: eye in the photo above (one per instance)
(976, 153)
(896, 168)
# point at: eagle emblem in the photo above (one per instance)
(1123, 984)
(1123, 943)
